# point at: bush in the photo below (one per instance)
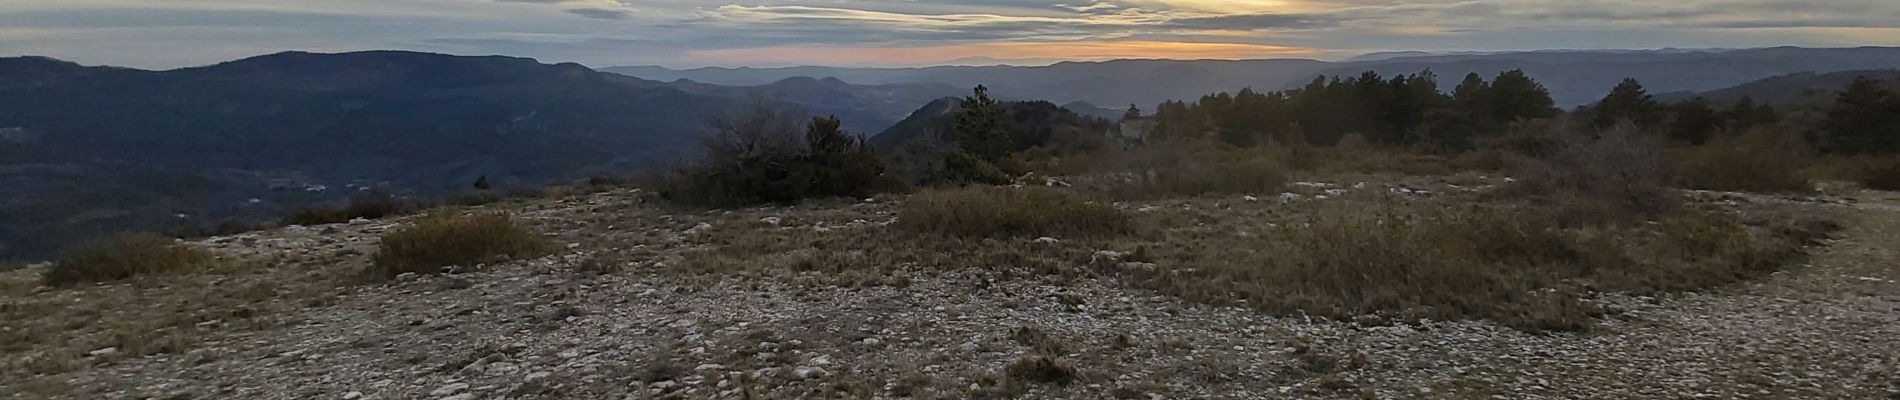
(1040, 369)
(1762, 160)
(373, 204)
(442, 240)
(1002, 211)
(1884, 177)
(1618, 177)
(125, 256)
(755, 156)
(1872, 172)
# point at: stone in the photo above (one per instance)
(537, 376)
(770, 220)
(352, 395)
(503, 368)
(1047, 240)
(803, 373)
(449, 389)
(103, 352)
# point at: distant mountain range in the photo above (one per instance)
(86, 150)
(1802, 90)
(1574, 77)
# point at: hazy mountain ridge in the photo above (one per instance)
(86, 150)
(1800, 90)
(1575, 77)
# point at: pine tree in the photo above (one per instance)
(841, 164)
(980, 128)
(1628, 101)
(1865, 119)
(1515, 96)
(1133, 113)
(1694, 121)
(481, 183)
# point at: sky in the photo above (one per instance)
(161, 34)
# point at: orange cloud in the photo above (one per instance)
(917, 55)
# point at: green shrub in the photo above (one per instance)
(443, 240)
(125, 256)
(1762, 160)
(753, 161)
(1003, 211)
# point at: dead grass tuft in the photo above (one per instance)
(125, 256)
(443, 240)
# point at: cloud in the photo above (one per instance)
(172, 33)
(600, 13)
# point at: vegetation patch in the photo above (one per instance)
(1002, 211)
(768, 154)
(1760, 161)
(1619, 177)
(1040, 369)
(368, 205)
(125, 256)
(1518, 267)
(443, 240)
(1173, 168)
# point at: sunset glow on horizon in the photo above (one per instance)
(686, 33)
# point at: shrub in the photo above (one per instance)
(1762, 160)
(1002, 211)
(755, 156)
(1618, 177)
(1872, 172)
(373, 204)
(1040, 369)
(443, 240)
(1884, 177)
(125, 256)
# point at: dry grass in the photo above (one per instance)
(1040, 369)
(1621, 177)
(1762, 160)
(1514, 266)
(125, 256)
(442, 240)
(1005, 212)
(1878, 173)
(368, 205)
(1174, 168)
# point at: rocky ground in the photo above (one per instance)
(621, 313)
